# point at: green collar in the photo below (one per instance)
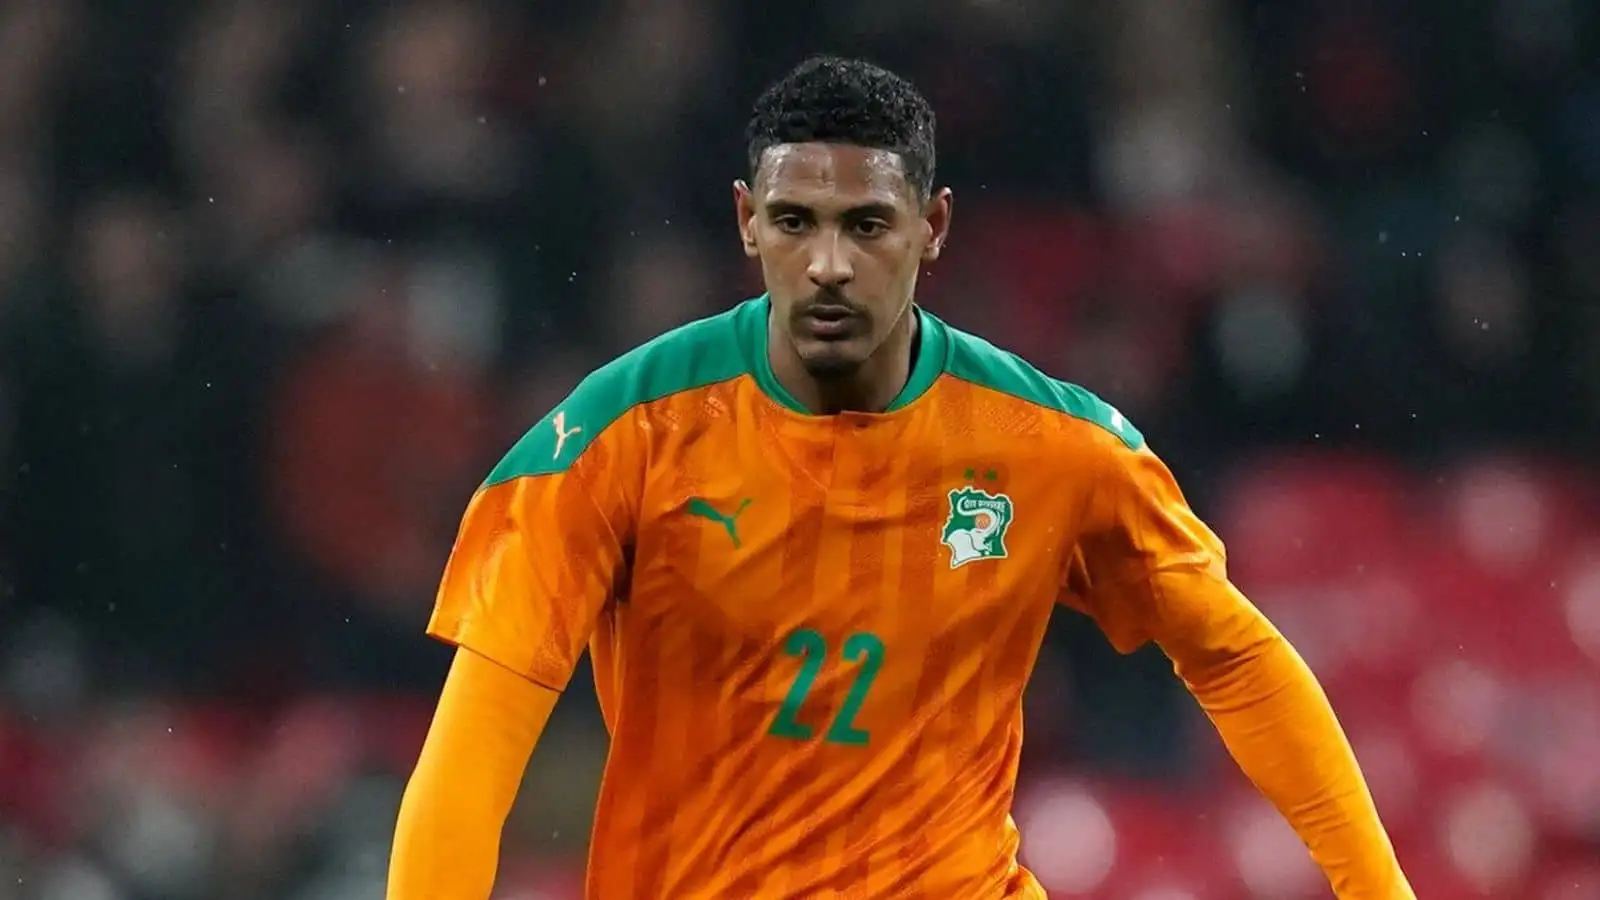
(754, 316)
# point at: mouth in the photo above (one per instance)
(829, 321)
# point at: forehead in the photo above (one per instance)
(832, 174)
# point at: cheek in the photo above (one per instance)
(899, 261)
(781, 264)
(776, 255)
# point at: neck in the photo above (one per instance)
(871, 388)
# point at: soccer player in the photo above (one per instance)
(812, 545)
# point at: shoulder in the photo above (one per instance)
(692, 356)
(979, 362)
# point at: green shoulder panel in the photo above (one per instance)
(976, 360)
(695, 355)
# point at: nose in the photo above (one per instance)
(830, 260)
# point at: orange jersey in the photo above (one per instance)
(811, 634)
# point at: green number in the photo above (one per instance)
(811, 647)
(868, 650)
(864, 648)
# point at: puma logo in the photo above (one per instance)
(730, 523)
(562, 432)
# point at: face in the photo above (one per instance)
(841, 235)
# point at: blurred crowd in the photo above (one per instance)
(280, 279)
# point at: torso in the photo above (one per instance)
(814, 680)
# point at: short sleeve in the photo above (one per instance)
(1145, 566)
(539, 556)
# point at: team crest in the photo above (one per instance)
(976, 528)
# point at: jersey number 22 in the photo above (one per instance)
(863, 648)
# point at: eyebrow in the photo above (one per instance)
(874, 210)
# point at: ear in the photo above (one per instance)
(744, 210)
(936, 217)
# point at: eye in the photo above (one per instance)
(871, 228)
(789, 223)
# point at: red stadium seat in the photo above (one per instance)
(1432, 875)
(1361, 630)
(1317, 541)
(1395, 772)
(1458, 707)
(1553, 748)
(1515, 624)
(1513, 516)
(1295, 518)
(1068, 837)
(1579, 880)
(1270, 859)
(1107, 840)
(1578, 587)
(1488, 834)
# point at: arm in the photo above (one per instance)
(1279, 727)
(447, 841)
(532, 571)
(1148, 569)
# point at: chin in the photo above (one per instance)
(831, 361)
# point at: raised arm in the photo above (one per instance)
(1148, 569)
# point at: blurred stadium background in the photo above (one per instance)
(279, 279)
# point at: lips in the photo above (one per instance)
(829, 321)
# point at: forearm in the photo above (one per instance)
(447, 839)
(1280, 729)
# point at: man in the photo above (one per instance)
(812, 545)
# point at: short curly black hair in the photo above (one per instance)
(828, 99)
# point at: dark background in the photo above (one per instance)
(281, 279)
